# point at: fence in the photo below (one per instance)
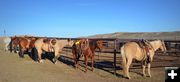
(113, 45)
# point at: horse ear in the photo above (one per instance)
(87, 40)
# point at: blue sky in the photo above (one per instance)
(74, 18)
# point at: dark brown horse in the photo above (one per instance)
(76, 50)
(86, 48)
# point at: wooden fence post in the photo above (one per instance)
(115, 57)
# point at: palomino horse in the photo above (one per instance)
(7, 41)
(77, 52)
(132, 50)
(51, 45)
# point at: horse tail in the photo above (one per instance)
(11, 45)
(124, 60)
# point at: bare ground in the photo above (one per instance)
(15, 69)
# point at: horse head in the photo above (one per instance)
(84, 44)
(99, 45)
(162, 46)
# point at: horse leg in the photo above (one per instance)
(86, 62)
(21, 53)
(10, 46)
(75, 62)
(143, 69)
(14, 49)
(34, 54)
(39, 56)
(75, 59)
(6, 47)
(92, 62)
(55, 57)
(149, 71)
(124, 70)
(127, 67)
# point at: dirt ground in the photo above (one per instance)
(15, 69)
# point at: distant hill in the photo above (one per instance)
(140, 35)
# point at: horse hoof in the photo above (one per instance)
(149, 76)
(55, 62)
(144, 75)
(128, 77)
(21, 56)
(41, 61)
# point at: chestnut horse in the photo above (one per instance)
(51, 45)
(24, 44)
(77, 50)
(131, 50)
(14, 44)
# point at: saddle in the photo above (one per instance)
(77, 48)
(78, 42)
(146, 47)
(51, 43)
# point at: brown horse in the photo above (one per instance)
(14, 44)
(77, 50)
(96, 44)
(86, 51)
(132, 50)
(24, 44)
(50, 45)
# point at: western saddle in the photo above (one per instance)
(146, 47)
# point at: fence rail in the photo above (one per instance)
(113, 45)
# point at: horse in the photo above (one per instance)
(96, 44)
(76, 49)
(24, 44)
(131, 50)
(86, 51)
(78, 52)
(7, 41)
(51, 45)
(14, 44)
